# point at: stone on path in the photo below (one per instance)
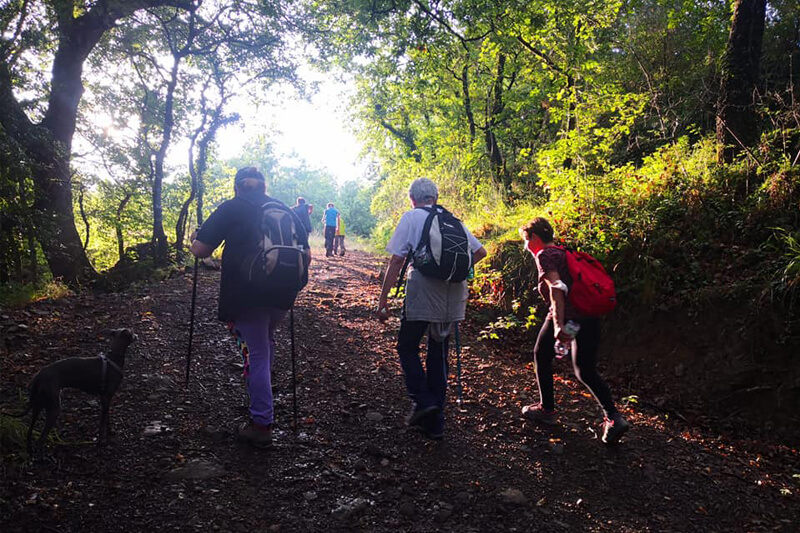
(349, 507)
(374, 417)
(513, 496)
(197, 469)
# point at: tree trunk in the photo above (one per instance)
(118, 225)
(160, 246)
(5, 248)
(737, 126)
(497, 105)
(47, 148)
(201, 193)
(84, 217)
(16, 257)
(48, 145)
(29, 232)
(55, 223)
(180, 226)
(468, 103)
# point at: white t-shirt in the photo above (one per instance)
(428, 299)
(408, 232)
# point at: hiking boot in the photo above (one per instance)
(537, 413)
(433, 426)
(614, 428)
(418, 415)
(255, 434)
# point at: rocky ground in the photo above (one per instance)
(174, 465)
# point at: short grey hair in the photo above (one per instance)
(423, 190)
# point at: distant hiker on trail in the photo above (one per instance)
(338, 239)
(555, 282)
(330, 219)
(303, 212)
(436, 298)
(260, 281)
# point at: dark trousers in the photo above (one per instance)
(584, 363)
(426, 386)
(338, 245)
(330, 233)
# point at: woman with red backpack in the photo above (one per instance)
(564, 320)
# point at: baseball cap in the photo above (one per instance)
(248, 173)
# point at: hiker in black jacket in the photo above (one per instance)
(252, 316)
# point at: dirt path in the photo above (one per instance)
(174, 466)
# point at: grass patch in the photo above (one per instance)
(12, 437)
(21, 294)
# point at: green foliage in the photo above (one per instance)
(13, 432)
(595, 114)
(21, 294)
(790, 249)
(353, 202)
(494, 329)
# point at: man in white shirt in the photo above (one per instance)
(431, 305)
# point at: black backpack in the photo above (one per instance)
(443, 251)
(278, 262)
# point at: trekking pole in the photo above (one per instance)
(191, 323)
(460, 399)
(294, 370)
(402, 274)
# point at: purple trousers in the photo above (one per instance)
(257, 327)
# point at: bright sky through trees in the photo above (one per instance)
(316, 131)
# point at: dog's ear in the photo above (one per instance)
(129, 333)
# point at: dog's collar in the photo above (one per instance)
(106, 362)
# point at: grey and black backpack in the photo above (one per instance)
(443, 251)
(278, 262)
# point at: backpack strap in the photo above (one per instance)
(426, 228)
(274, 229)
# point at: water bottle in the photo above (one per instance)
(571, 328)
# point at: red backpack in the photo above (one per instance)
(592, 292)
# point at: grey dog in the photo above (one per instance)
(99, 376)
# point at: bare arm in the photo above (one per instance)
(479, 254)
(558, 304)
(200, 249)
(392, 273)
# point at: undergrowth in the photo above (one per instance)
(13, 295)
(676, 230)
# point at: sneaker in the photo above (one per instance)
(614, 428)
(419, 414)
(537, 413)
(255, 434)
